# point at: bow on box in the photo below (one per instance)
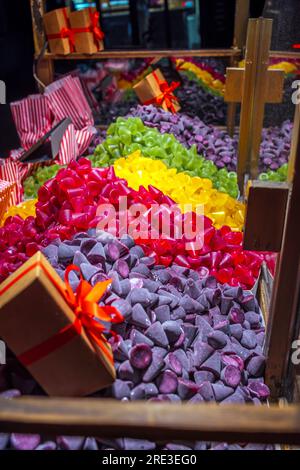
(89, 316)
(162, 93)
(65, 32)
(87, 21)
(92, 28)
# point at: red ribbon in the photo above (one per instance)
(65, 33)
(93, 27)
(166, 96)
(89, 316)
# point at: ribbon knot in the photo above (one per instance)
(68, 33)
(94, 319)
(89, 314)
(166, 96)
(95, 28)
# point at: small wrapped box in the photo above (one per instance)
(154, 89)
(88, 35)
(56, 334)
(6, 188)
(58, 31)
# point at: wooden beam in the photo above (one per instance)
(250, 86)
(144, 53)
(240, 23)
(285, 296)
(234, 85)
(37, 8)
(285, 54)
(154, 421)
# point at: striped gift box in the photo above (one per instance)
(33, 119)
(35, 115)
(65, 98)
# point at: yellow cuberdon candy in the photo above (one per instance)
(24, 209)
(187, 191)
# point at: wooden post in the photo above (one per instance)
(295, 134)
(37, 11)
(240, 23)
(285, 296)
(253, 86)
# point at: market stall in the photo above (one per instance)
(180, 338)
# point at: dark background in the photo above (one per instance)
(16, 43)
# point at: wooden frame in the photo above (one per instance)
(166, 421)
(155, 421)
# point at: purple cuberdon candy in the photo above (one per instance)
(183, 338)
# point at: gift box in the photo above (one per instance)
(88, 36)
(55, 333)
(6, 189)
(58, 31)
(154, 89)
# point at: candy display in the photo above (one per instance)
(20, 239)
(23, 210)
(278, 175)
(185, 190)
(38, 178)
(127, 135)
(68, 203)
(184, 338)
(215, 144)
(137, 308)
(206, 75)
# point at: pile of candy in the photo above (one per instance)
(23, 210)
(33, 182)
(278, 175)
(215, 144)
(202, 73)
(126, 136)
(20, 239)
(69, 202)
(189, 192)
(184, 338)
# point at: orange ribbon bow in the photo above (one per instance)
(166, 96)
(84, 303)
(88, 316)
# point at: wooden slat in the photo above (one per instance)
(144, 53)
(285, 54)
(156, 421)
(37, 8)
(294, 144)
(285, 296)
(264, 227)
(240, 23)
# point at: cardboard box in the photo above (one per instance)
(6, 188)
(85, 26)
(149, 88)
(55, 23)
(33, 311)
